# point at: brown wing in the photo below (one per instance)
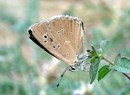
(60, 36)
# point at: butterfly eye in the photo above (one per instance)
(75, 61)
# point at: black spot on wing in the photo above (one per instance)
(37, 42)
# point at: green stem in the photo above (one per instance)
(113, 64)
(107, 61)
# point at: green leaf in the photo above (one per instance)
(104, 45)
(94, 68)
(94, 53)
(103, 71)
(121, 64)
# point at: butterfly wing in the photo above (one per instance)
(60, 36)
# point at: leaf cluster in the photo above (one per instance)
(120, 64)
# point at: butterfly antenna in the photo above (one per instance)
(62, 76)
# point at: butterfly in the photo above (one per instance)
(62, 37)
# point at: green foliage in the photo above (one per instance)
(94, 69)
(103, 71)
(94, 64)
(113, 84)
(121, 64)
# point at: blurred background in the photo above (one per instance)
(26, 69)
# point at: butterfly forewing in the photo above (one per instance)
(60, 36)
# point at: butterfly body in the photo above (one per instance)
(60, 36)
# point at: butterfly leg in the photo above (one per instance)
(84, 68)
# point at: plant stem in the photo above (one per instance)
(113, 64)
(107, 60)
(127, 76)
